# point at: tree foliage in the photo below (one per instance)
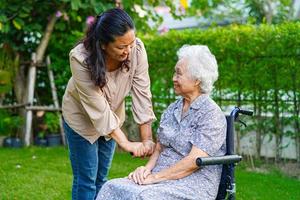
(22, 23)
(251, 11)
(28, 26)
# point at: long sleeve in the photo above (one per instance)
(91, 97)
(141, 95)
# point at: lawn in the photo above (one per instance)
(45, 173)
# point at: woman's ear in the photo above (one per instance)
(102, 46)
(197, 83)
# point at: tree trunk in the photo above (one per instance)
(19, 86)
(265, 9)
(237, 132)
(298, 14)
(296, 117)
(259, 126)
(297, 129)
(1, 98)
(20, 92)
(292, 10)
(277, 129)
(40, 52)
(41, 49)
(268, 11)
(297, 140)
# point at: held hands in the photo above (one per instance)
(136, 148)
(139, 149)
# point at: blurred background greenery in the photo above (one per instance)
(256, 43)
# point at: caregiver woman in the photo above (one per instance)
(106, 65)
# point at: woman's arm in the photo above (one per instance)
(142, 108)
(137, 148)
(146, 137)
(153, 158)
(181, 169)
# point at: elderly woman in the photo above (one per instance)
(193, 126)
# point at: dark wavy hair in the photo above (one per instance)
(110, 24)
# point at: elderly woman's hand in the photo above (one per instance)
(138, 176)
(149, 147)
(151, 179)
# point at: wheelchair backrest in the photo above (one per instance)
(229, 151)
(227, 183)
(230, 135)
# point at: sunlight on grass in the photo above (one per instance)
(45, 173)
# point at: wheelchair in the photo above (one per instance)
(227, 188)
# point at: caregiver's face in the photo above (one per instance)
(121, 48)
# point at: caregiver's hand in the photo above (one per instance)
(136, 148)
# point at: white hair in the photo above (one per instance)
(201, 65)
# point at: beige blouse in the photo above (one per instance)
(93, 112)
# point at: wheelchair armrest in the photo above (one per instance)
(218, 160)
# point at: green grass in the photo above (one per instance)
(270, 186)
(45, 173)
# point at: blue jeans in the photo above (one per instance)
(90, 163)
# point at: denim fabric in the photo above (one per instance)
(90, 163)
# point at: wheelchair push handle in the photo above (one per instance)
(236, 111)
(246, 112)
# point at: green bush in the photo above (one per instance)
(52, 122)
(8, 69)
(9, 124)
(5, 82)
(258, 67)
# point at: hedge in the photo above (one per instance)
(258, 69)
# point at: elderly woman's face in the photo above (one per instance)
(183, 82)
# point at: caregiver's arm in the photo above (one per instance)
(137, 148)
(181, 169)
(146, 137)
